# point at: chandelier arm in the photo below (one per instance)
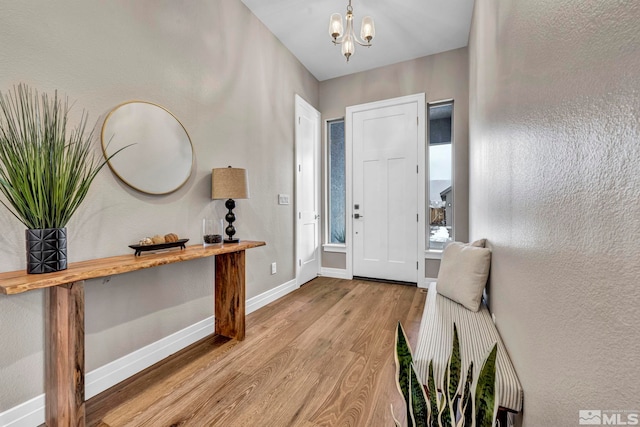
(365, 44)
(355, 38)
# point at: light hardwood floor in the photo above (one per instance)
(320, 356)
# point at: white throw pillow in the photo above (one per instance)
(463, 274)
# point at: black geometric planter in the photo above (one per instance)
(46, 250)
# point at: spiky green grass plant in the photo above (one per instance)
(45, 170)
(426, 407)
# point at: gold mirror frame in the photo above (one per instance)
(160, 157)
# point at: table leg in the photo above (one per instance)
(230, 295)
(64, 360)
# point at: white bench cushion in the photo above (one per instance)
(476, 333)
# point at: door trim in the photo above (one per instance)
(299, 104)
(418, 98)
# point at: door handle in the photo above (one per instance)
(357, 216)
(317, 217)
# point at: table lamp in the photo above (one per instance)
(229, 183)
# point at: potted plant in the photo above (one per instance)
(461, 403)
(45, 171)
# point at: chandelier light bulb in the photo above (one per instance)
(348, 47)
(335, 26)
(367, 29)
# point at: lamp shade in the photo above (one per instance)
(367, 29)
(335, 25)
(229, 183)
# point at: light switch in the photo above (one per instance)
(283, 199)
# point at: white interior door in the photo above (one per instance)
(307, 131)
(385, 190)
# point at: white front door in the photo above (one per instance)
(307, 131)
(385, 190)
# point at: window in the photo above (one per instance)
(336, 182)
(440, 185)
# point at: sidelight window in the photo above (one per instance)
(336, 229)
(440, 183)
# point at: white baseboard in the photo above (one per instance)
(336, 273)
(27, 414)
(31, 413)
(271, 295)
(120, 369)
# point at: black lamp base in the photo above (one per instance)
(230, 217)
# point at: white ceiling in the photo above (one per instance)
(405, 29)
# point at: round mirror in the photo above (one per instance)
(159, 158)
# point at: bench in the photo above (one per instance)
(477, 334)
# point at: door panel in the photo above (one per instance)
(376, 218)
(385, 186)
(397, 230)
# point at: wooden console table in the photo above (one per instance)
(64, 329)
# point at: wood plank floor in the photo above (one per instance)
(320, 356)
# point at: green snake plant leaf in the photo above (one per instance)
(466, 403)
(418, 398)
(454, 374)
(445, 413)
(433, 397)
(485, 390)
(403, 359)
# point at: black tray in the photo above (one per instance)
(144, 248)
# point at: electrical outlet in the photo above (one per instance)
(283, 199)
(273, 268)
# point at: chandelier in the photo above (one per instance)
(348, 39)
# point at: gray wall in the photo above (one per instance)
(230, 82)
(554, 161)
(440, 76)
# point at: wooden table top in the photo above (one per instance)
(15, 282)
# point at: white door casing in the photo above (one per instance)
(307, 134)
(386, 140)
